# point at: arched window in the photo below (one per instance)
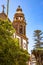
(24, 30)
(21, 29)
(19, 18)
(16, 27)
(24, 45)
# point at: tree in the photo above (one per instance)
(38, 47)
(10, 52)
(38, 38)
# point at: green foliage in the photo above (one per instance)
(38, 38)
(10, 52)
(38, 48)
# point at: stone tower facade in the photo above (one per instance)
(19, 23)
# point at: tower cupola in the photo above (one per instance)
(19, 14)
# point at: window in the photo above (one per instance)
(16, 26)
(19, 18)
(24, 45)
(24, 30)
(21, 29)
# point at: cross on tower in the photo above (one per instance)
(3, 8)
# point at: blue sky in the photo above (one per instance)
(33, 11)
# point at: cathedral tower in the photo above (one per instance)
(19, 23)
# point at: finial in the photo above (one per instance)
(19, 6)
(3, 8)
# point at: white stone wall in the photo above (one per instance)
(19, 40)
(33, 60)
(24, 42)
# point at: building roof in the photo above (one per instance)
(4, 16)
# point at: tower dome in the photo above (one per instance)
(19, 10)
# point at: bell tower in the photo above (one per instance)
(19, 23)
